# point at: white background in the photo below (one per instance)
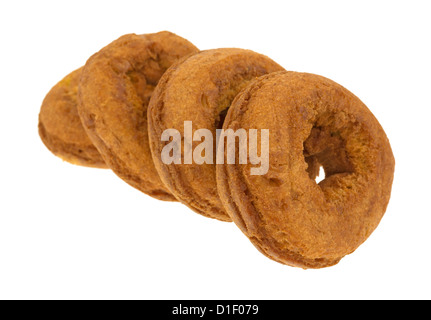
(68, 232)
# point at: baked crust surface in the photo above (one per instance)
(200, 88)
(114, 92)
(60, 127)
(285, 213)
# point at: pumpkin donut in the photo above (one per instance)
(286, 214)
(60, 127)
(200, 88)
(114, 91)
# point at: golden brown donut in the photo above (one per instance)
(284, 213)
(115, 88)
(60, 127)
(200, 89)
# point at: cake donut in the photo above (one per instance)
(200, 89)
(287, 215)
(60, 127)
(114, 91)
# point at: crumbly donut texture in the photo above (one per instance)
(60, 127)
(285, 213)
(200, 88)
(115, 88)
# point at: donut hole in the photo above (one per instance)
(220, 119)
(320, 176)
(325, 154)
